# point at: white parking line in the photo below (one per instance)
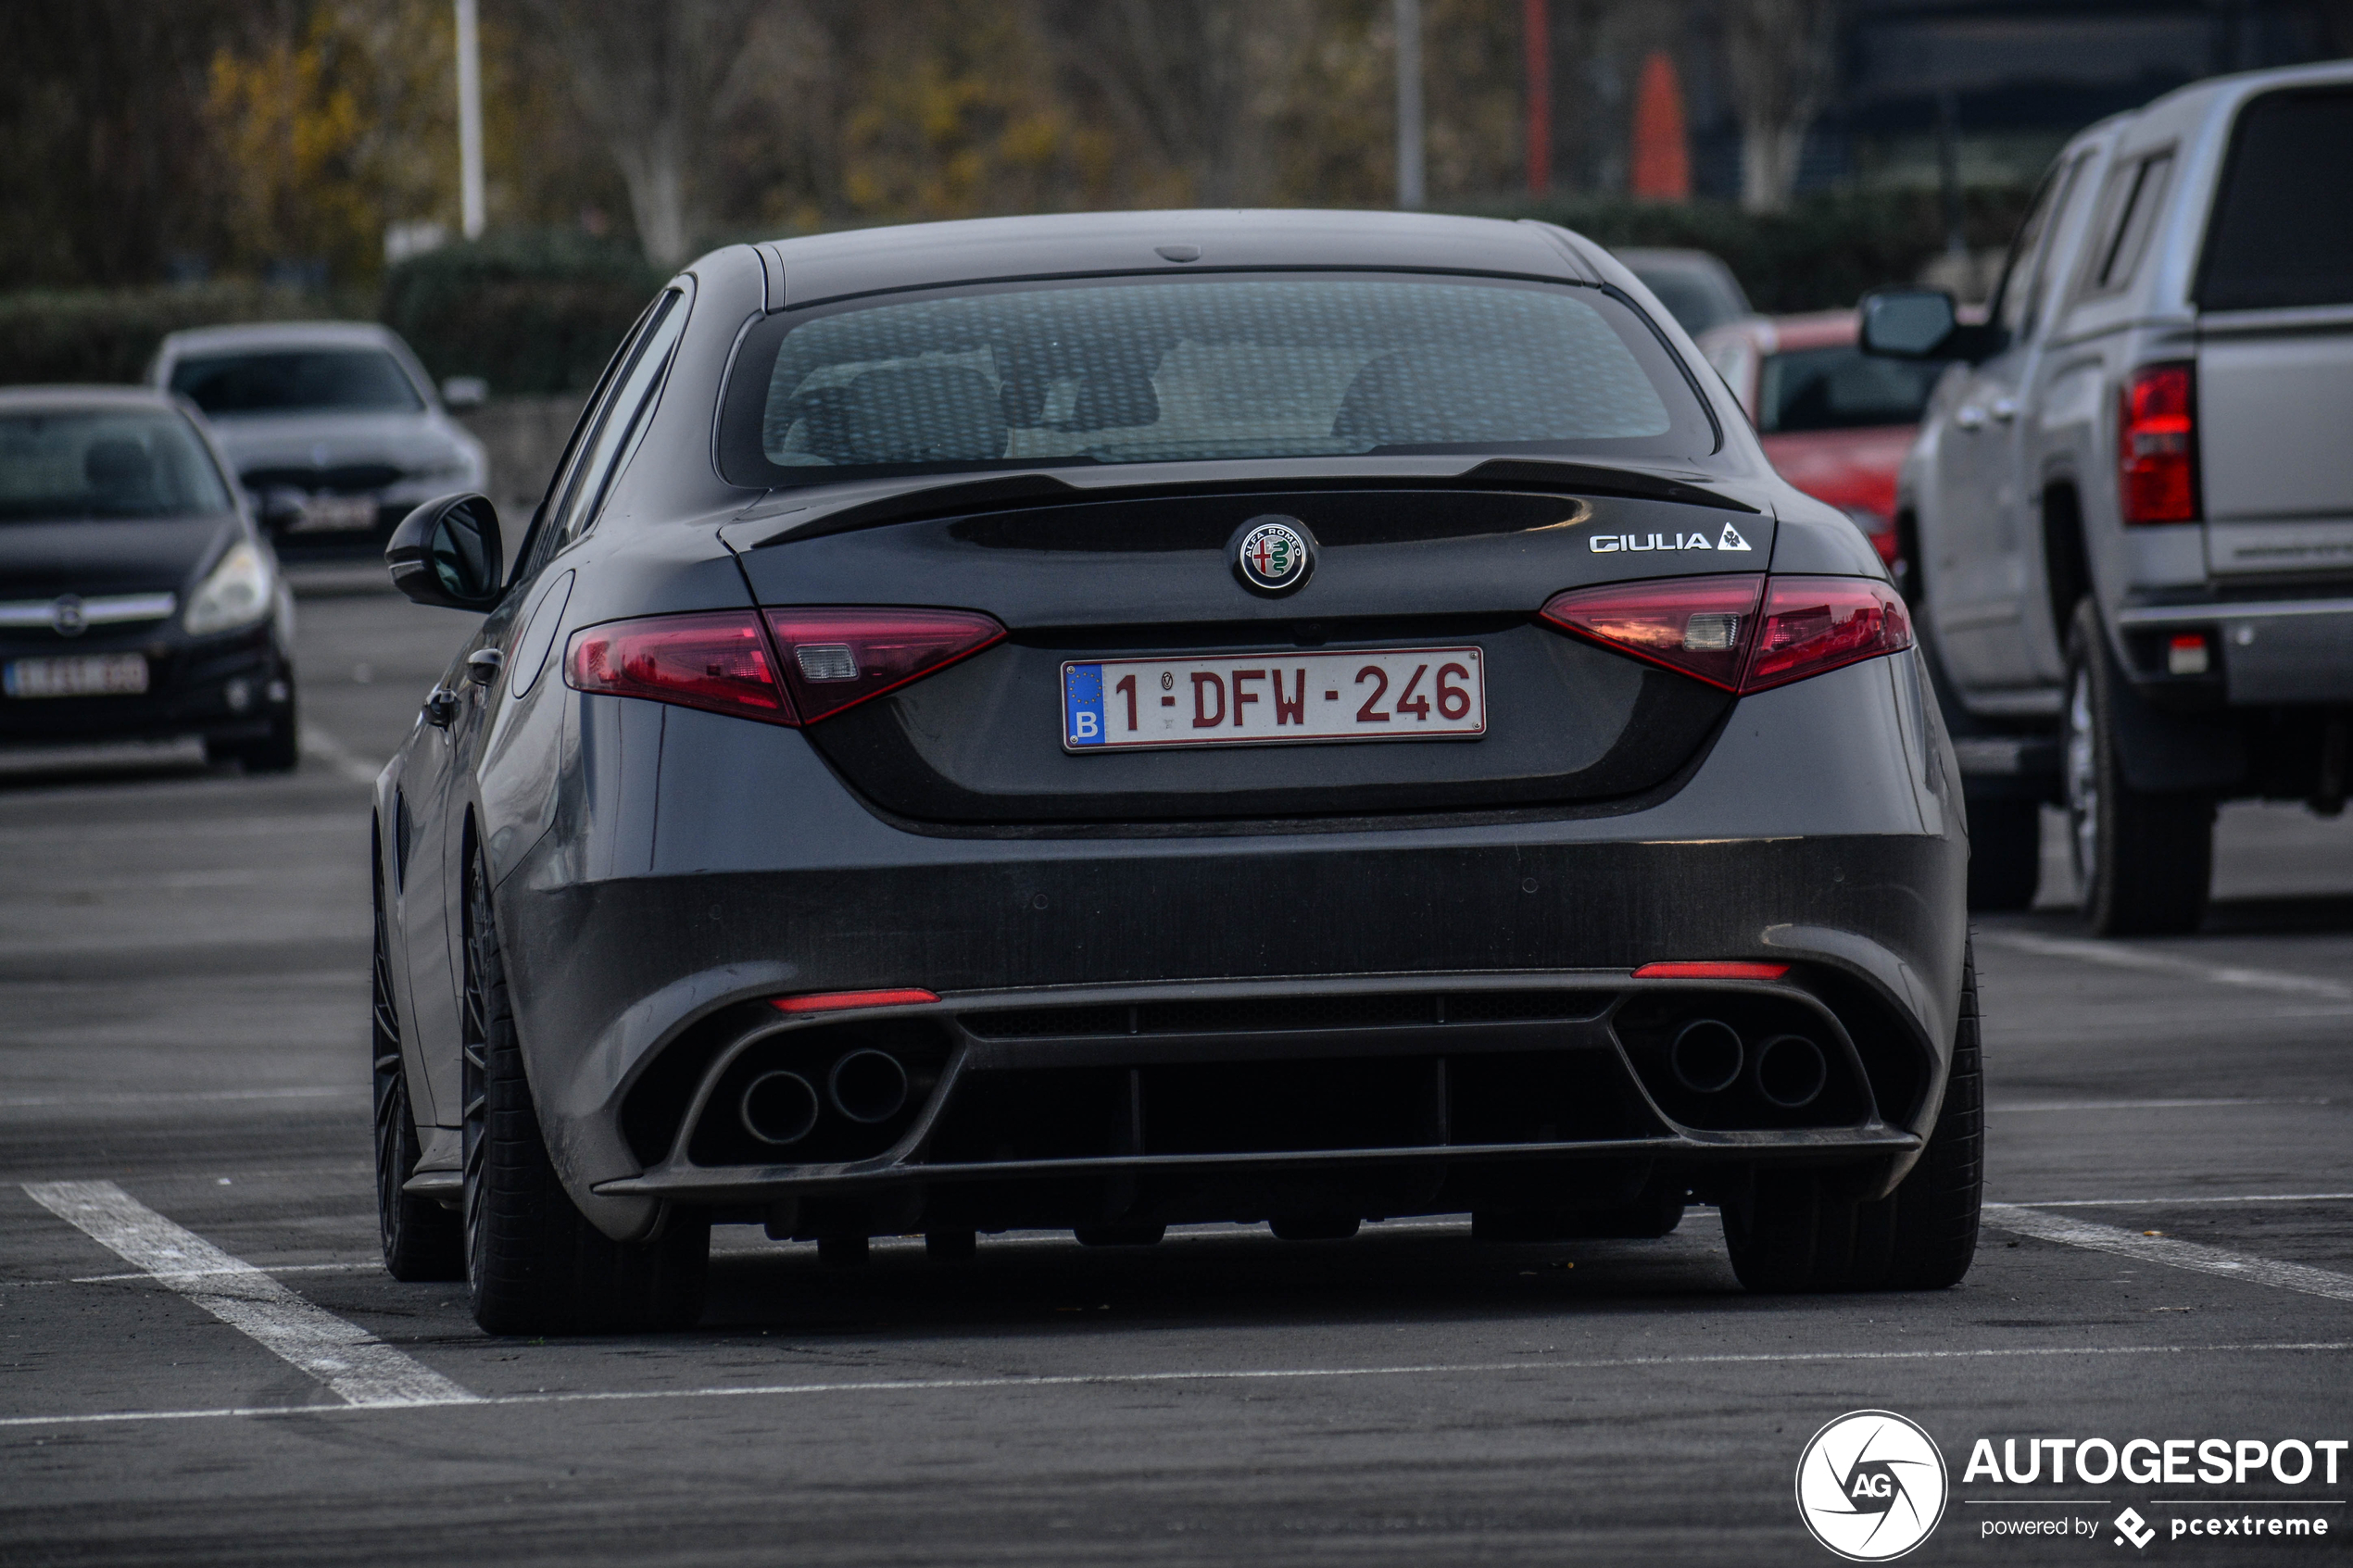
(2015, 1107)
(332, 1091)
(1129, 1379)
(2173, 1254)
(317, 742)
(2115, 955)
(359, 1367)
(2175, 1202)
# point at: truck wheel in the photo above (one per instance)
(534, 1263)
(1802, 1231)
(2005, 853)
(2144, 860)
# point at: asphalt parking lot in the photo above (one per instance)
(201, 1360)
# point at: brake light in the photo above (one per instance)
(838, 1001)
(2156, 446)
(835, 659)
(1741, 634)
(1694, 625)
(1816, 624)
(717, 662)
(722, 660)
(1711, 971)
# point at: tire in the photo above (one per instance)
(2005, 853)
(534, 1265)
(421, 1239)
(1803, 1231)
(2144, 860)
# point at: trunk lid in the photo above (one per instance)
(980, 743)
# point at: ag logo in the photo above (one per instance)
(1273, 555)
(1871, 1486)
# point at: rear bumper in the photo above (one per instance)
(2273, 652)
(697, 864)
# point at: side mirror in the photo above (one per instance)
(464, 392)
(1923, 324)
(447, 553)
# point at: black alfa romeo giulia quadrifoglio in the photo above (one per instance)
(1112, 721)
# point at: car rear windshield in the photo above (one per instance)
(1150, 370)
(83, 463)
(1841, 389)
(2282, 233)
(296, 380)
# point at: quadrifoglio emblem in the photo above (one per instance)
(1871, 1486)
(1610, 544)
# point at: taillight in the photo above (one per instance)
(2156, 446)
(1717, 629)
(717, 662)
(1694, 625)
(1816, 624)
(832, 659)
(835, 659)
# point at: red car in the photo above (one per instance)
(1835, 423)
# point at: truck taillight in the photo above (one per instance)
(2156, 446)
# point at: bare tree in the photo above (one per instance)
(1185, 76)
(654, 76)
(1779, 55)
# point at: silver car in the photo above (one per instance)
(333, 428)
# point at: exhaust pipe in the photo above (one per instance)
(779, 1108)
(1790, 1071)
(1706, 1055)
(868, 1086)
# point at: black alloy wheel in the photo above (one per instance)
(1806, 1231)
(2144, 860)
(421, 1239)
(535, 1264)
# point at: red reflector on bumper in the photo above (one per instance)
(836, 1001)
(1711, 971)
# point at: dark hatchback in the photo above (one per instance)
(1103, 722)
(137, 600)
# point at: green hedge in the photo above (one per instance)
(109, 334)
(527, 312)
(1824, 253)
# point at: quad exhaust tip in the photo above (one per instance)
(867, 1086)
(779, 1108)
(1706, 1055)
(1790, 1071)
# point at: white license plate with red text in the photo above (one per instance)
(101, 674)
(1270, 699)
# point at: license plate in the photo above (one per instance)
(335, 514)
(104, 674)
(1268, 699)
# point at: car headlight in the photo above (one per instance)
(237, 593)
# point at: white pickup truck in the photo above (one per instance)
(2127, 524)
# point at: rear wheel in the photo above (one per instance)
(421, 1239)
(1803, 1231)
(535, 1263)
(2144, 860)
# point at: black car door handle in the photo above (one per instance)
(441, 706)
